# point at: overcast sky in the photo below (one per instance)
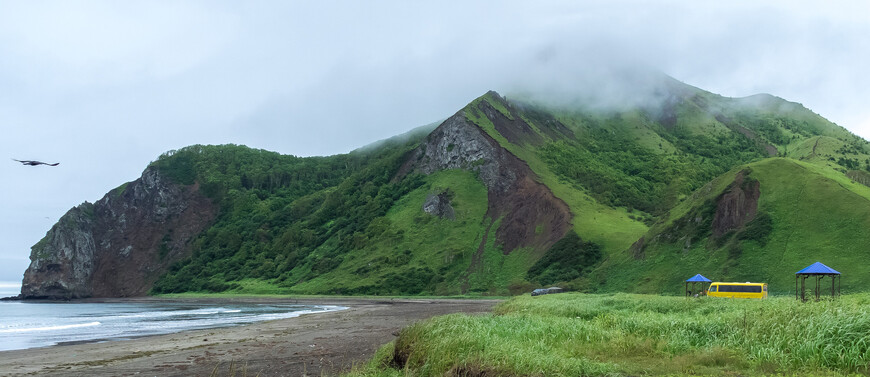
(104, 87)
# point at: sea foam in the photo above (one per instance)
(29, 324)
(50, 328)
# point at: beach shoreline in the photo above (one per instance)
(315, 344)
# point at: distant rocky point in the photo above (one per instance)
(120, 245)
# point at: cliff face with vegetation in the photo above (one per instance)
(531, 216)
(62, 262)
(503, 196)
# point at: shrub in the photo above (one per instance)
(567, 259)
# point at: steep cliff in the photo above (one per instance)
(121, 244)
(63, 262)
(530, 214)
(737, 206)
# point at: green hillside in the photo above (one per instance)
(806, 213)
(355, 224)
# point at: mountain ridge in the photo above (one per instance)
(472, 205)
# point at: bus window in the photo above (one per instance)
(740, 288)
(713, 288)
(765, 288)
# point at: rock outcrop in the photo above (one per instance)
(737, 205)
(459, 144)
(439, 205)
(63, 262)
(120, 245)
(531, 216)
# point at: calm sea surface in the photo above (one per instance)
(39, 324)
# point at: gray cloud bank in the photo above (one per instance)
(104, 87)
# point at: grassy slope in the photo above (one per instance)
(433, 242)
(794, 131)
(593, 221)
(622, 334)
(792, 192)
(799, 133)
(414, 240)
(613, 227)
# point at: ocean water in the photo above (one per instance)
(40, 324)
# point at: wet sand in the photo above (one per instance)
(323, 344)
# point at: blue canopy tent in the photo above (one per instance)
(819, 270)
(695, 279)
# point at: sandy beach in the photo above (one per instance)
(322, 344)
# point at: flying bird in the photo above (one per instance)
(34, 163)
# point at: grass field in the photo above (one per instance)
(623, 334)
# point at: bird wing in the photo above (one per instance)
(34, 163)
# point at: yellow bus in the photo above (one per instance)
(737, 290)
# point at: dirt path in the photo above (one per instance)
(310, 345)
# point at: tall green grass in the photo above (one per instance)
(625, 334)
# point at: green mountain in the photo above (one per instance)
(504, 196)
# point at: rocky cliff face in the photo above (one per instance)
(120, 245)
(64, 260)
(730, 211)
(530, 214)
(737, 206)
(459, 144)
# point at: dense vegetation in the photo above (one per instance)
(351, 224)
(276, 210)
(568, 259)
(583, 335)
(227, 169)
(620, 172)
